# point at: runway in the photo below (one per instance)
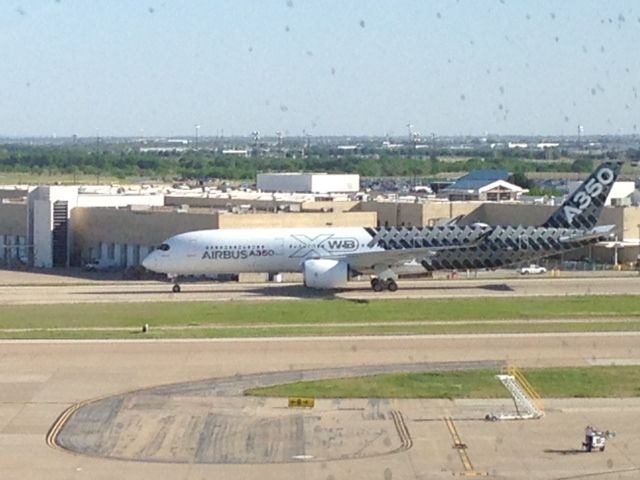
(129, 291)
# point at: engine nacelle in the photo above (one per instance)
(325, 273)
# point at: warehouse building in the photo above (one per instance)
(318, 183)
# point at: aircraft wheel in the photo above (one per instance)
(373, 282)
(176, 288)
(377, 285)
(392, 286)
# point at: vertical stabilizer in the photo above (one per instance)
(583, 207)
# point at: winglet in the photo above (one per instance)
(583, 207)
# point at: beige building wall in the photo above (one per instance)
(13, 219)
(123, 235)
(284, 220)
(223, 203)
(416, 214)
(99, 232)
(144, 227)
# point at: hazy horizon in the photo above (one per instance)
(325, 68)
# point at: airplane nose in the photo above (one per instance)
(150, 262)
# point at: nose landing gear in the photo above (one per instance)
(176, 286)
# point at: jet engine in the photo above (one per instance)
(325, 273)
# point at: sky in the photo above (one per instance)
(318, 67)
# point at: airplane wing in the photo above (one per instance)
(364, 260)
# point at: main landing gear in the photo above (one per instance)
(380, 284)
(175, 288)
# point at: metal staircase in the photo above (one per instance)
(527, 401)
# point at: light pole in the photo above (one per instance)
(197, 129)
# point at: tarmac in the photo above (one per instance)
(174, 408)
(20, 288)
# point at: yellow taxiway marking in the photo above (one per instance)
(461, 447)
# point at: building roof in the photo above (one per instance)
(477, 179)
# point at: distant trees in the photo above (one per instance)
(123, 161)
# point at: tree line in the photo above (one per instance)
(205, 164)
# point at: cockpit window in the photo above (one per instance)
(164, 247)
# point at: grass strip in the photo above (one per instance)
(314, 311)
(585, 382)
(325, 330)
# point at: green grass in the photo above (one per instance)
(134, 332)
(22, 178)
(587, 382)
(322, 317)
(334, 311)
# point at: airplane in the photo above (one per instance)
(329, 257)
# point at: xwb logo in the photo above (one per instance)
(322, 245)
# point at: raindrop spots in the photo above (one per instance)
(463, 97)
(151, 10)
(287, 29)
(626, 69)
(387, 474)
(626, 106)
(309, 53)
(362, 24)
(290, 3)
(600, 88)
(250, 49)
(488, 71)
(501, 89)
(333, 71)
(448, 60)
(500, 107)
(593, 91)
(584, 49)
(552, 15)
(602, 49)
(557, 39)
(471, 42)
(528, 16)
(284, 108)
(20, 11)
(609, 463)
(566, 118)
(621, 18)
(439, 15)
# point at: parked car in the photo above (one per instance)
(532, 269)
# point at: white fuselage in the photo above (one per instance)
(270, 250)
